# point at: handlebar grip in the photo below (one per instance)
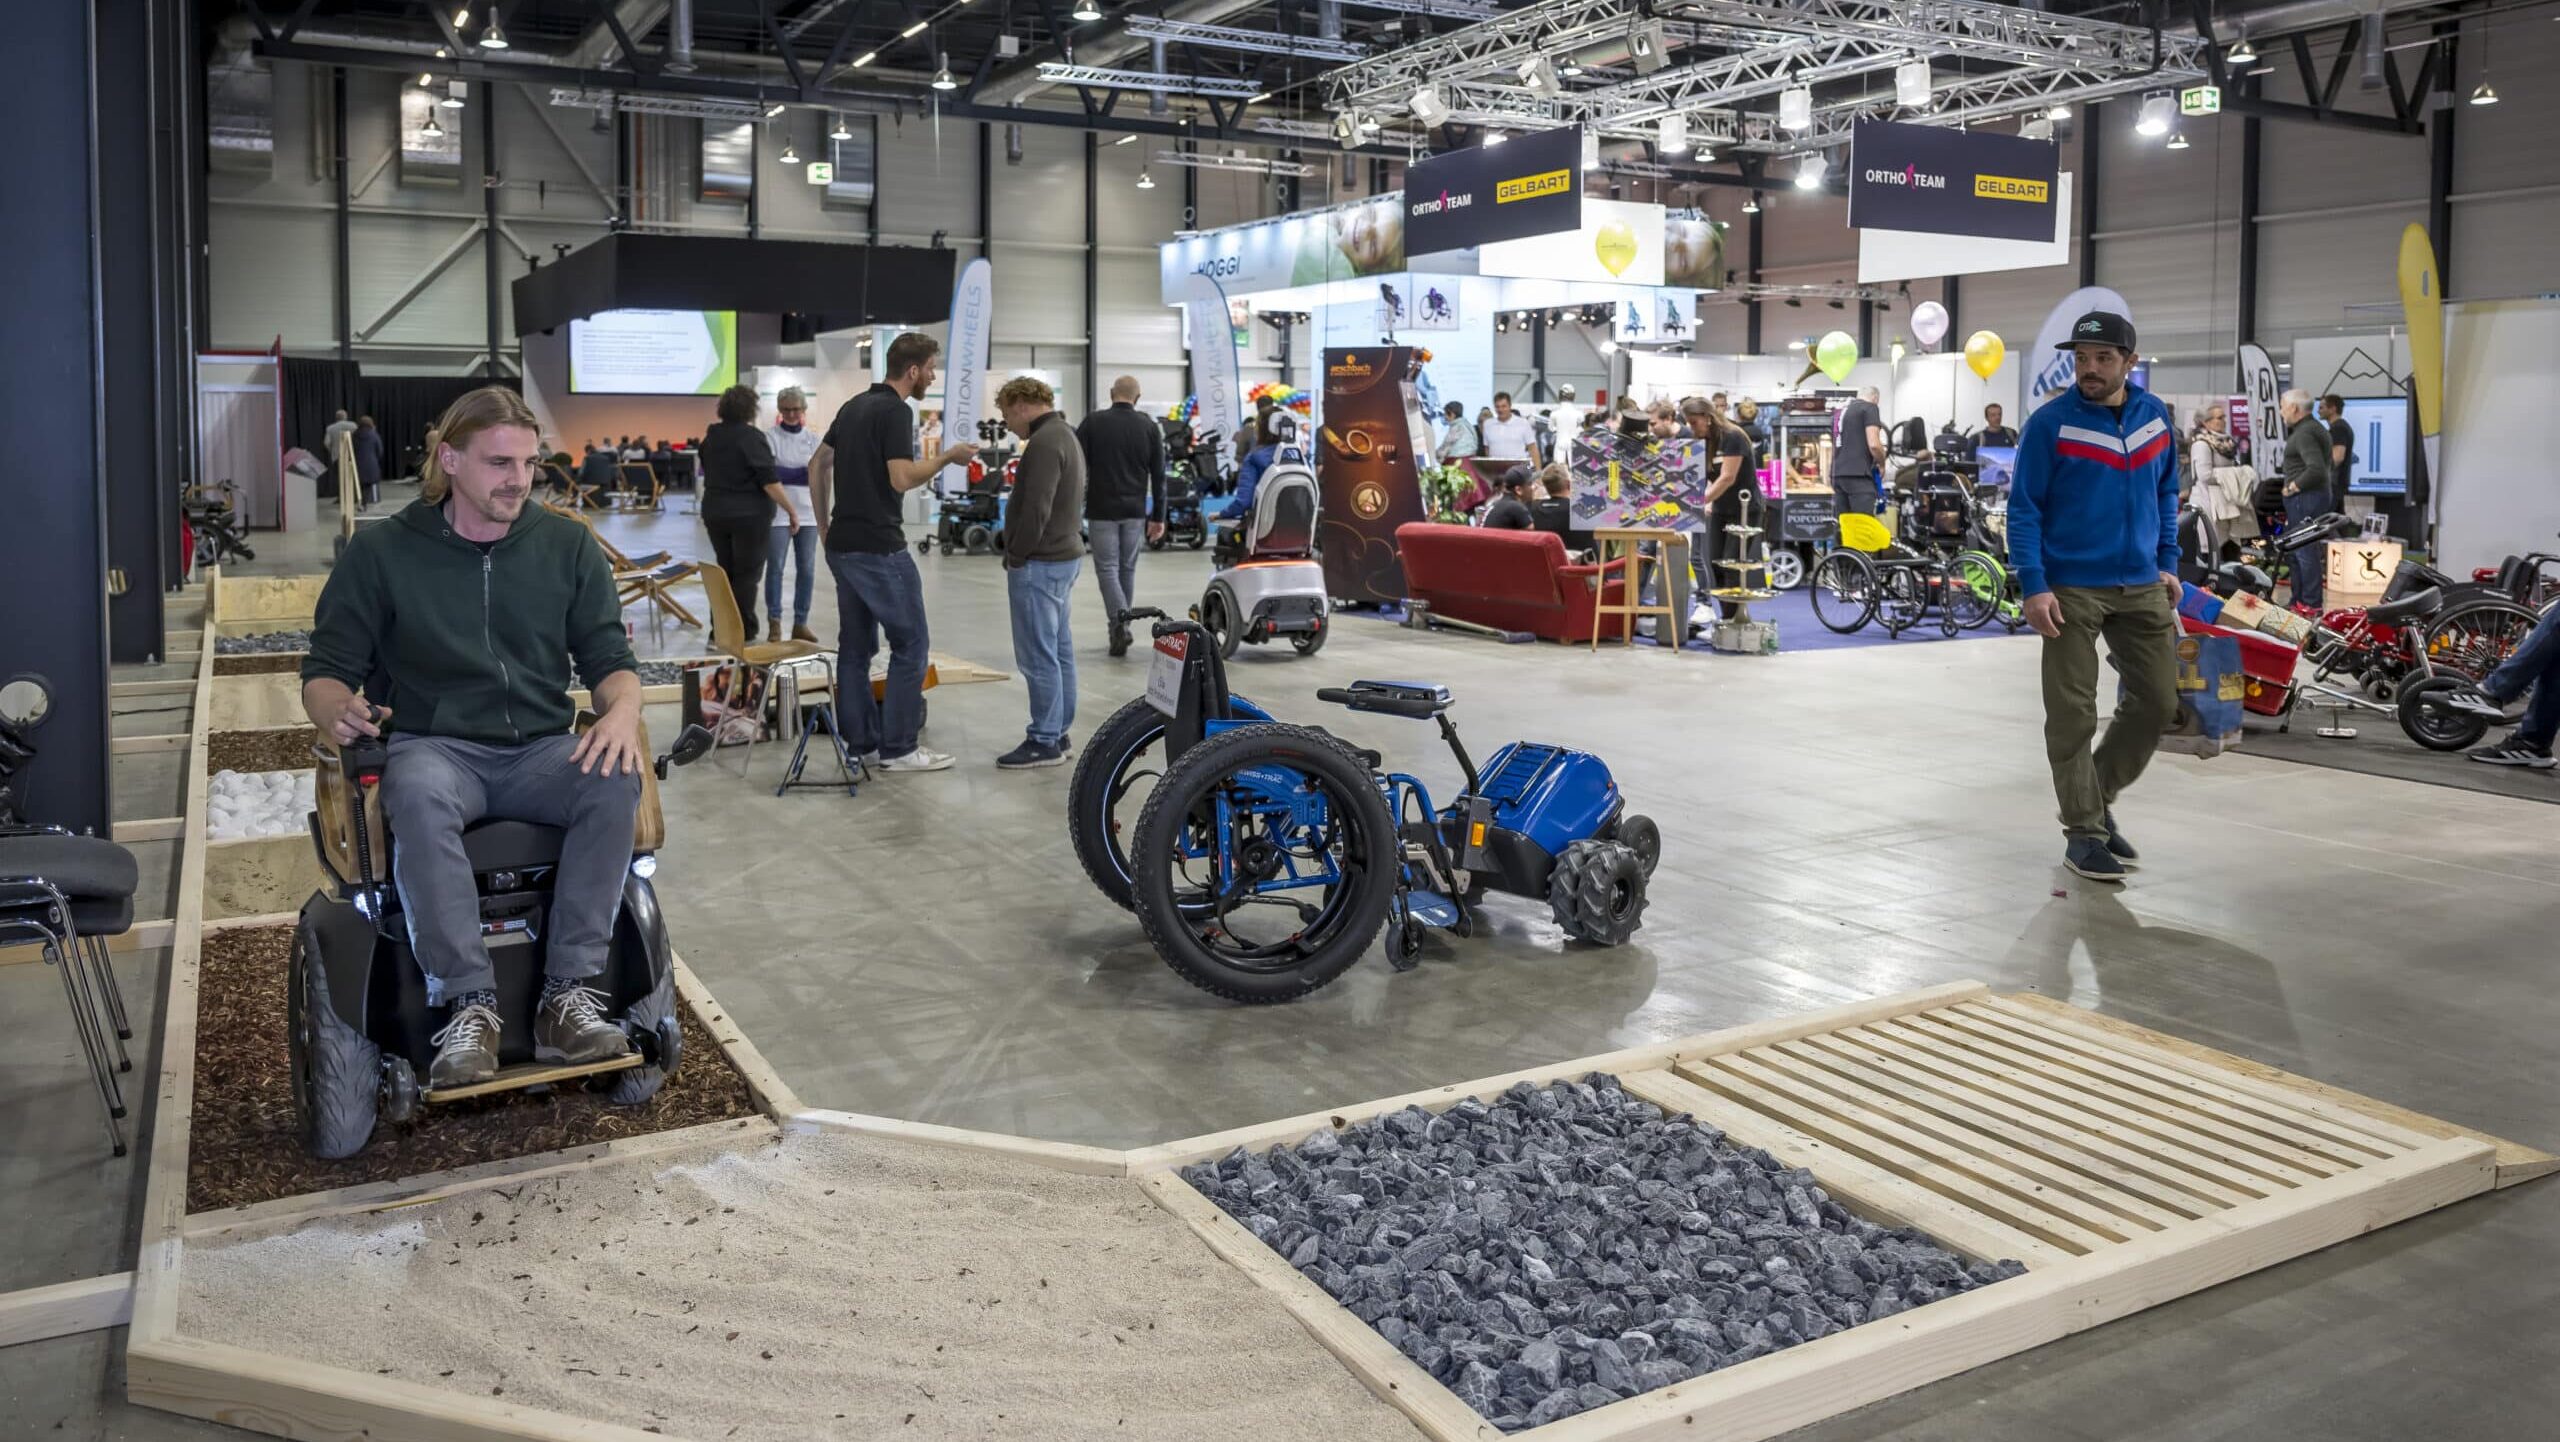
(1338, 695)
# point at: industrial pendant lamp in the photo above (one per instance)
(2178, 141)
(1146, 181)
(453, 95)
(790, 154)
(842, 130)
(1752, 206)
(493, 38)
(2243, 53)
(942, 78)
(2484, 95)
(433, 129)
(1087, 10)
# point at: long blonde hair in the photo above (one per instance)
(467, 417)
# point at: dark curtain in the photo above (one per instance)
(403, 407)
(311, 392)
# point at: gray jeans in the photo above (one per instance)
(1116, 545)
(435, 786)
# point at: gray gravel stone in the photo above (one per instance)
(264, 643)
(1568, 1246)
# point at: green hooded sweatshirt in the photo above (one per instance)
(467, 644)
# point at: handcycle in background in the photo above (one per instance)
(1262, 858)
(213, 513)
(1929, 568)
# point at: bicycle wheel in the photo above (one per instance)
(1902, 597)
(2473, 638)
(1975, 585)
(1844, 591)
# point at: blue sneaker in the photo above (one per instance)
(2119, 848)
(2088, 856)
(1031, 754)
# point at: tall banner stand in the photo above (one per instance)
(1366, 471)
(1209, 331)
(964, 387)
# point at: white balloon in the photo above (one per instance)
(1929, 322)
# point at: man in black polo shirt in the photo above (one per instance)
(1123, 498)
(873, 443)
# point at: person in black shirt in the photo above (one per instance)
(1553, 512)
(739, 496)
(369, 460)
(1123, 498)
(2342, 444)
(1510, 510)
(1730, 470)
(878, 589)
(1861, 452)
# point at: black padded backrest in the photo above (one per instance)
(2516, 576)
(1284, 515)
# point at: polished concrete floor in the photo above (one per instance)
(1835, 826)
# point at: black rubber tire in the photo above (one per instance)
(1218, 614)
(1638, 834)
(1098, 772)
(1310, 642)
(400, 1094)
(2438, 728)
(1902, 598)
(656, 1011)
(1198, 538)
(976, 539)
(1597, 892)
(1848, 580)
(1370, 837)
(1157, 543)
(1404, 945)
(336, 1071)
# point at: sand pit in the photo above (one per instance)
(826, 1286)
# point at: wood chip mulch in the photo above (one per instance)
(255, 665)
(245, 1147)
(285, 749)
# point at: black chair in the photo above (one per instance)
(70, 893)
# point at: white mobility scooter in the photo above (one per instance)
(1269, 583)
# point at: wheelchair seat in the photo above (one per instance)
(1283, 522)
(2416, 606)
(499, 844)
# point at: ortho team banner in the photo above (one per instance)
(1528, 185)
(1952, 182)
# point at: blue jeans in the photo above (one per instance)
(803, 549)
(877, 595)
(1039, 592)
(2310, 561)
(2533, 667)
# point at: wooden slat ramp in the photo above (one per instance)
(2121, 1167)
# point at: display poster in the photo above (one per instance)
(1437, 303)
(1619, 482)
(2266, 428)
(1692, 251)
(964, 376)
(1208, 328)
(1620, 243)
(1664, 317)
(1240, 320)
(1528, 185)
(1365, 237)
(2050, 369)
(1365, 471)
(1951, 182)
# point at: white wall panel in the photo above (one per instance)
(929, 181)
(1130, 216)
(1039, 295)
(270, 277)
(1043, 197)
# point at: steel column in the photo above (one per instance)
(2440, 166)
(489, 218)
(986, 191)
(2252, 159)
(1538, 356)
(1867, 328)
(1751, 327)
(755, 179)
(53, 552)
(345, 306)
(2085, 187)
(1947, 298)
(1092, 271)
(128, 448)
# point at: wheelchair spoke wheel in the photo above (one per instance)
(1975, 587)
(1844, 591)
(1902, 597)
(1265, 862)
(2472, 640)
(1115, 774)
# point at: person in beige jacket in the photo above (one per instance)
(1043, 551)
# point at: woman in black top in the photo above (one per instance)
(740, 497)
(368, 445)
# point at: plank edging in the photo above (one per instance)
(291, 1398)
(65, 1309)
(1064, 1156)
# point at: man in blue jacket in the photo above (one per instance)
(2093, 533)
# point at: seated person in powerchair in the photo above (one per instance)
(450, 631)
(1275, 430)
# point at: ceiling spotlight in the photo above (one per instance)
(1369, 124)
(842, 130)
(1496, 137)
(1795, 108)
(1752, 206)
(1346, 124)
(462, 18)
(1704, 152)
(790, 154)
(2178, 141)
(2059, 112)
(865, 58)
(773, 110)
(493, 38)
(433, 129)
(1537, 75)
(1146, 181)
(1569, 68)
(2035, 128)
(2156, 110)
(453, 95)
(942, 78)
(2242, 53)
(426, 82)
(1124, 140)
(1911, 83)
(1675, 134)
(2484, 95)
(1645, 46)
(1428, 107)
(912, 31)
(1810, 171)
(1087, 11)
(1797, 344)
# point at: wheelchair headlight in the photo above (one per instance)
(644, 866)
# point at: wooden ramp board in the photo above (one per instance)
(2122, 1170)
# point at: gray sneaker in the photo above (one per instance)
(571, 1027)
(2088, 856)
(466, 1048)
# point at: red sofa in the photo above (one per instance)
(1516, 580)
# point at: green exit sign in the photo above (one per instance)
(820, 172)
(2200, 100)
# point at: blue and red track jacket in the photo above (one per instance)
(2095, 500)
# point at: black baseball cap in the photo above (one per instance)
(2100, 327)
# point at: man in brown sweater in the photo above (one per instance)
(1043, 551)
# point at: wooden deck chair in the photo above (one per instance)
(565, 486)
(729, 629)
(652, 577)
(640, 481)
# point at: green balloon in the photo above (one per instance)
(1837, 353)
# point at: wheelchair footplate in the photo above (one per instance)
(532, 1074)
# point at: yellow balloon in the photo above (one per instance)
(1984, 352)
(1615, 246)
(1836, 354)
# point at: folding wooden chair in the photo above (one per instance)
(652, 576)
(640, 482)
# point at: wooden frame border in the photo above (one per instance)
(65, 1309)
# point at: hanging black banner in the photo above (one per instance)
(1951, 182)
(1528, 185)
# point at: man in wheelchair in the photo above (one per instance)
(450, 631)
